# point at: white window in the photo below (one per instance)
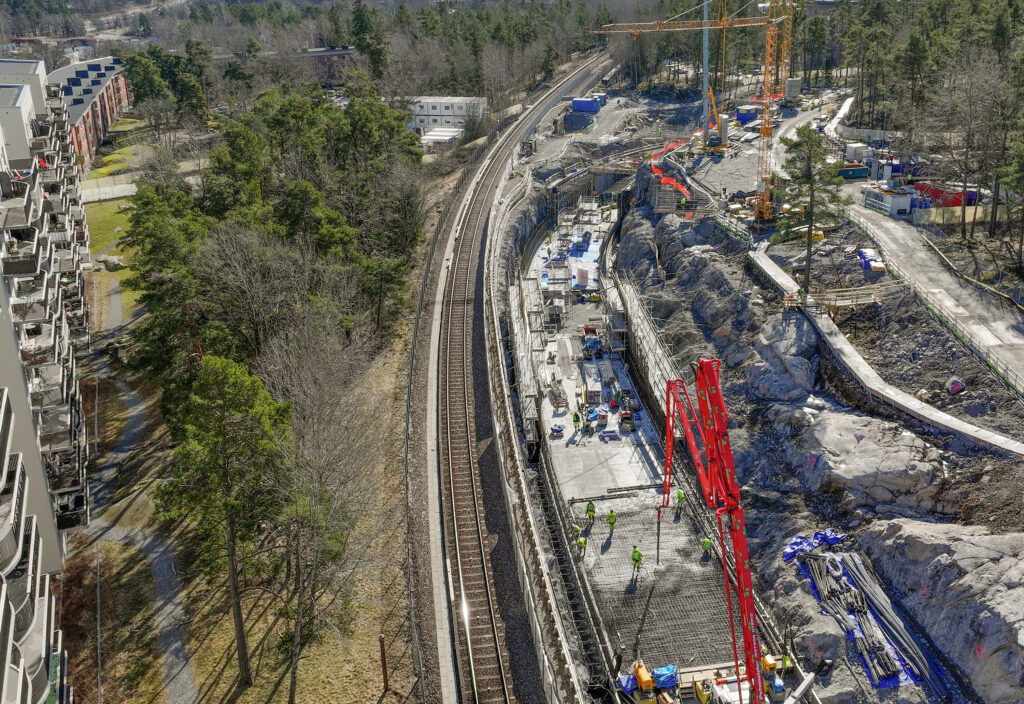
(460, 107)
(433, 107)
(447, 107)
(433, 120)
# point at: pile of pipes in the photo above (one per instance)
(850, 592)
(849, 607)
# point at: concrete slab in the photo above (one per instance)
(674, 612)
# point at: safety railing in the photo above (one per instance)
(993, 359)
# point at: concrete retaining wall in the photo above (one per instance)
(848, 359)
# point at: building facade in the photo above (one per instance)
(429, 112)
(95, 93)
(43, 317)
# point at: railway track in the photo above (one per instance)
(479, 632)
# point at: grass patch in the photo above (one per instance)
(104, 218)
(132, 660)
(116, 162)
(127, 124)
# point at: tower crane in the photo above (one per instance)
(778, 12)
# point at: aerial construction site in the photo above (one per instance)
(711, 418)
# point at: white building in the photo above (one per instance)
(434, 111)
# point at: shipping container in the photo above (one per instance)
(601, 98)
(585, 105)
(943, 196)
(853, 170)
(746, 113)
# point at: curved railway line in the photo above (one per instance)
(479, 632)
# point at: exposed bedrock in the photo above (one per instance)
(964, 585)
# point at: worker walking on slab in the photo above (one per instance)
(576, 422)
(611, 522)
(638, 557)
(706, 544)
(590, 512)
(680, 498)
(581, 545)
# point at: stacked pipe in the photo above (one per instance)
(893, 625)
(840, 600)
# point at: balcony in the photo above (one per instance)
(49, 385)
(6, 426)
(10, 656)
(37, 642)
(16, 684)
(22, 251)
(34, 299)
(66, 261)
(12, 511)
(60, 689)
(22, 580)
(38, 342)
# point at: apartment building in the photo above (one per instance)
(95, 94)
(45, 244)
(42, 435)
(429, 112)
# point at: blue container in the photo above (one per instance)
(585, 105)
(601, 98)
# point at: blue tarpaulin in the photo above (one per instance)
(802, 543)
(627, 683)
(665, 677)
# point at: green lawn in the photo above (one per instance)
(115, 163)
(103, 218)
(127, 124)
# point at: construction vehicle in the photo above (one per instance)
(713, 463)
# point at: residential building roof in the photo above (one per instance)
(81, 82)
(23, 66)
(12, 96)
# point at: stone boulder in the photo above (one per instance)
(965, 586)
(787, 362)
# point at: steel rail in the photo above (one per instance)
(458, 319)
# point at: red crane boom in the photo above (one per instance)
(712, 460)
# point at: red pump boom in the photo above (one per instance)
(713, 462)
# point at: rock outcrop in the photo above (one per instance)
(965, 586)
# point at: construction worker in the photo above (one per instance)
(576, 531)
(576, 421)
(581, 545)
(638, 557)
(590, 512)
(706, 544)
(611, 522)
(680, 498)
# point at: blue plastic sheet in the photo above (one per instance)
(802, 543)
(627, 683)
(665, 677)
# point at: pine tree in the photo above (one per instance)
(810, 181)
